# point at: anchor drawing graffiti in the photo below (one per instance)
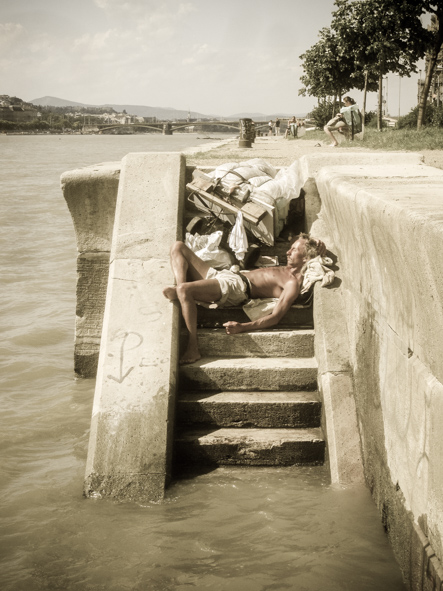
(125, 348)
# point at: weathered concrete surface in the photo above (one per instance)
(335, 381)
(253, 447)
(91, 196)
(214, 342)
(310, 166)
(250, 409)
(131, 430)
(266, 373)
(385, 223)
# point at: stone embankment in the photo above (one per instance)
(378, 330)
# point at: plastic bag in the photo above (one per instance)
(207, 248)
(238, 240)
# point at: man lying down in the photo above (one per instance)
(196, 282)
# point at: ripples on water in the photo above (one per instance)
(232, 529)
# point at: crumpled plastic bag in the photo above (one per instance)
(238, 241)
(207, 247)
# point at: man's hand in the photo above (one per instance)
(232, 327)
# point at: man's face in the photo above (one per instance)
(296, 255)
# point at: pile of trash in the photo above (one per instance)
(252, 196)
(267, 186)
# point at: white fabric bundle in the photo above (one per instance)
(238, 240)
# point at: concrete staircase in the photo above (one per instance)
(252, 399)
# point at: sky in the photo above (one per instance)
(209, 56)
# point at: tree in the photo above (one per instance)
(381, 36)
(327, 70)
(434, 38)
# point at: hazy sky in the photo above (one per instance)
(214, 57)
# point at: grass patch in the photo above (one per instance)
(428, 138)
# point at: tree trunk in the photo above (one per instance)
(380, 101)
(363, 109)
(428, 80)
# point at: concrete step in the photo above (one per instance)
(250, 373)
(250, 409)
(296, 317)
(214, 342)
(252, 447)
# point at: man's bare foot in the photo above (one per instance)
(190, 356)
(170, 293)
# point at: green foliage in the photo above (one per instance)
(370, 118)
(382, 35)
(428, 138)
(327, 69)
(322, 113)
(370, 37)
(433, 117)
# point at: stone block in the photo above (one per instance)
(91, 196)
(92, 281)
(277, 343)
(130, 449)
(262, 374)
(251, 447)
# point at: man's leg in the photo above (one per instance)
(205, 290)
(191, 286)
(186, 266)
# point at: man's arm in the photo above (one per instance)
(287, 298)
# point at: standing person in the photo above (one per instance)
(197, 281)
(277, 126)
(270, 125)
(342, 122)
(289, 128)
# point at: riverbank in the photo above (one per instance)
(281, 152)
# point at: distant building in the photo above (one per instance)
(17, 113)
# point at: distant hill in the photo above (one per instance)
(52, 101)
(138, 110)
(159, 112)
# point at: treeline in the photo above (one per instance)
(46, 110)
(367, 40)
(57, 124)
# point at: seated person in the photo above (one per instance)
(342, 122)
(198, 282)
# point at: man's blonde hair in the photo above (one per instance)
(311, 246)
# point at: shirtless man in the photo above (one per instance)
(197, 281)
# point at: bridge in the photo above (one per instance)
(168, 127)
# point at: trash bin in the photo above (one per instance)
(245, 140)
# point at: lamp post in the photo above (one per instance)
(399, 94)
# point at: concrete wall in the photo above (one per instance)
(91, 196)
(130, 445)
(385, 224)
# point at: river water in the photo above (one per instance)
(232, 529)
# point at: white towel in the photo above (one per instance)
(317, 270)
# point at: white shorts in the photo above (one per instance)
(232, 286)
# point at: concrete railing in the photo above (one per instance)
(385, 224)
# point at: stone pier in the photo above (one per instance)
(130, 445)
